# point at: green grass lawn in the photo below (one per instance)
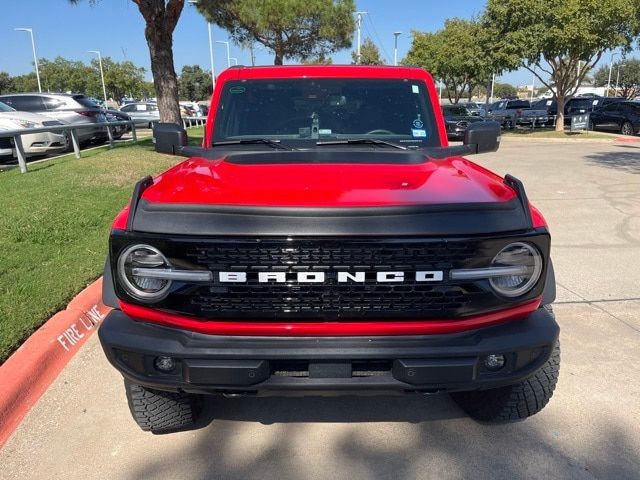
(54, 228)
(538, 133)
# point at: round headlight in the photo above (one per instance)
(518, 254)
(144, 288)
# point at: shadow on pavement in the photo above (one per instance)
(627, 159)
(408, 437)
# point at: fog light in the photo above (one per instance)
(494, 362)
(164, 364)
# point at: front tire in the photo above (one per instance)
(627, 129)
(158, 411)
(513, 402)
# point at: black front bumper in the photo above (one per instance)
(428, 363)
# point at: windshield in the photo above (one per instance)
(454, 110)
(5, 108)
(301, 112)
(85, 101)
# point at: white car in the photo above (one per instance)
(33, 143)
(194, 106)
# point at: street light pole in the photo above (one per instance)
(395, 47)
(493, 82)
(620, 65)
(610, 68)
(213, 68)
(533, 83)
(228, 53)
(104, 89)
(35, 58)
(358, 28)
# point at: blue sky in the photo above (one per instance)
(116, 28)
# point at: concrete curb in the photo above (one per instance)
(27, 374)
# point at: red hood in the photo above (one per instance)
(205, 181)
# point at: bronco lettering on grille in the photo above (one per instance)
(340, 277)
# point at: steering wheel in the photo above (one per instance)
(380, 131)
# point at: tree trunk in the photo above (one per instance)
(165, 80)
(560, 100)
(160, 21)
(278, 60)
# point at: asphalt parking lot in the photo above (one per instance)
(590, 195)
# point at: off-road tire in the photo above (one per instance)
(157, 411)
(627, 129)
(513, 402)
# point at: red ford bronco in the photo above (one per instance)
(326, 238)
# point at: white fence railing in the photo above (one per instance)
(187, 122)
(73, 132)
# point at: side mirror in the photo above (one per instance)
(482, 137)
(169, 138)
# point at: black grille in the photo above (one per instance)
(329, 300)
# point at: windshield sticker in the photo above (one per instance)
(415, 89)
(417, 123)
(416, 132)
(237, 89)
(324, 131)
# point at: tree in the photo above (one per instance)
(120, 78)
(25, 83)
(195, 83)
(456, 55)
(318, 60)
(560, 41)
(297, 29)
(161, 18)
(629, 81)
(62, 75)
(504, 90)
(369, 54)
(6, 82)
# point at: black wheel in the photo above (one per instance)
(509, 125)
(157, 411)
(627, 129)
(513, 402)
(591, 126)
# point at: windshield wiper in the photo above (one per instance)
(353, 141)
(253, 141)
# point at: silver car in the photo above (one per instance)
(34, 143)
(144, 114)
(69, 108)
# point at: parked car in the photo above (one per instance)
(34, 143)
(350, 251)
(144, 114)
(475, 109)
(6, 147)
(623, 117)
(510, 113)
(65, 107)
(194, 107)
(456, 120)
(118, 116)
(575, 105)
